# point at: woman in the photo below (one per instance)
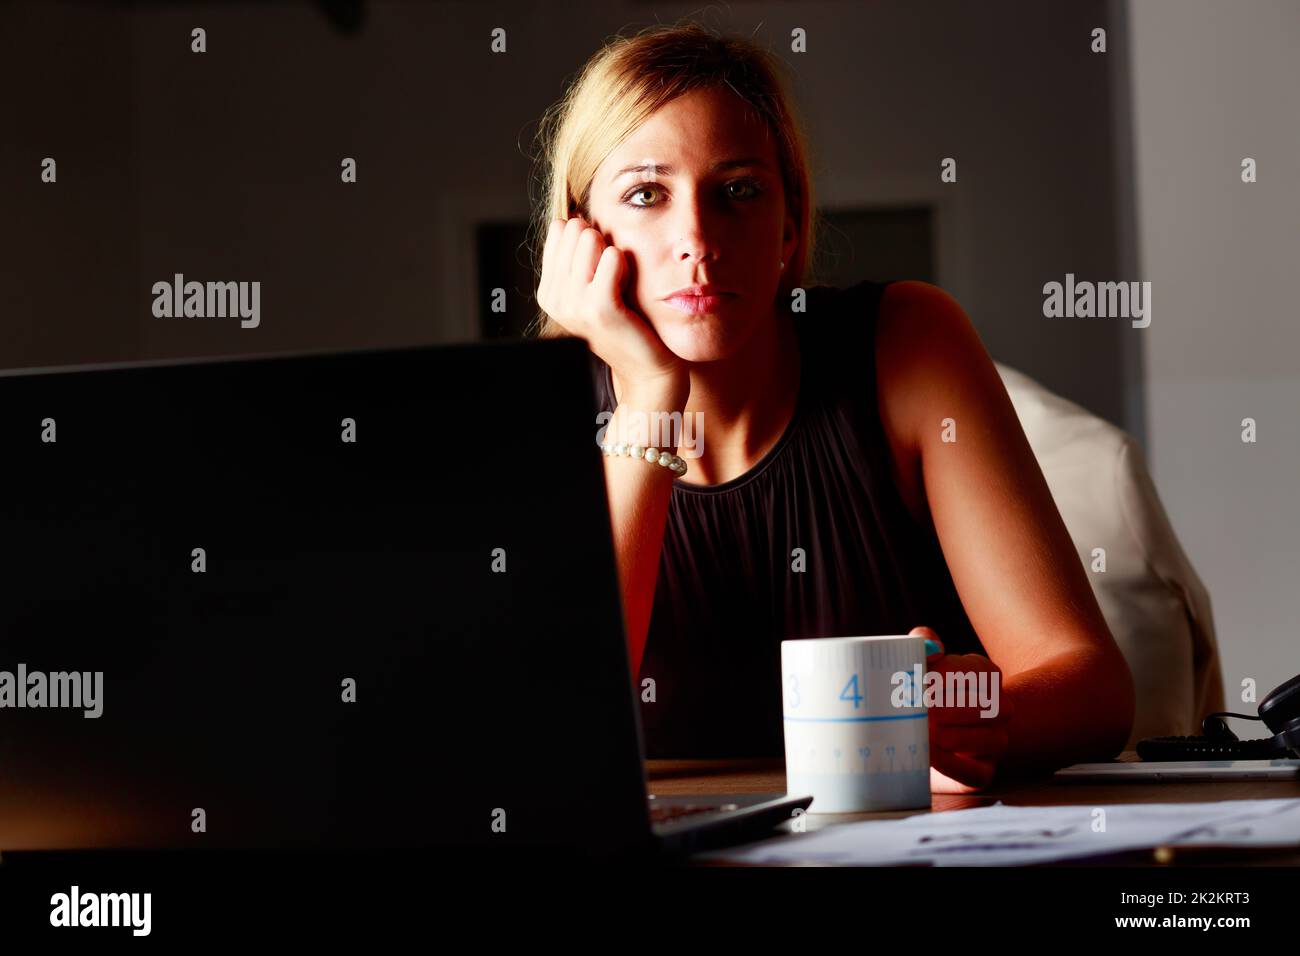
(828, 496)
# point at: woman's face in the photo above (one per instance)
(694, 197)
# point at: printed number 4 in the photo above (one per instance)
(855, 696)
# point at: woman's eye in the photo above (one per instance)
(639, 191)
(744, 184)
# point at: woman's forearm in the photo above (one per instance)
(639, 495)
(1075, 708)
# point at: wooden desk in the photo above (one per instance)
(687, 777)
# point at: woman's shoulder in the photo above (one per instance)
(922, 331)
(930, 362)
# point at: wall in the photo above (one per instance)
(1213, 83)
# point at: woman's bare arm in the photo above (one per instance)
(639, 493)
(581, 289)
(1013, 563)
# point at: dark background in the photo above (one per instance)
(225, 166)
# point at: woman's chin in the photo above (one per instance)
(699, 338)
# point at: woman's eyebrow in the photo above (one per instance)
(663, 169)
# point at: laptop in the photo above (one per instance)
(324, 600)
(1180, 771)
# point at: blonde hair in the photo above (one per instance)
(622, 85)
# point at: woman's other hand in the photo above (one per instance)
(964, 745)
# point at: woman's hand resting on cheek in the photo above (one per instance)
(964, 746)
(581, 288)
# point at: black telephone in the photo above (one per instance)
(1280, 712)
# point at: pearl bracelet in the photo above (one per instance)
(652, 455)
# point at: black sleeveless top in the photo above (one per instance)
(728, 593)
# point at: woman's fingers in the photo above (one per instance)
(967, 689)
(942, 783)
(971, 716)
(968, 729)
(576, 257)
(929, 634)
(554, 236)
(585, 256)
(609, 273)
(564, 258)
(934, 649)
(963, 768)
(985, 741)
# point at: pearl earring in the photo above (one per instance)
(782, 263)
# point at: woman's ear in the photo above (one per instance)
(789, 238)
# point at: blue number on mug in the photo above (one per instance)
(856, 697)
(794, 689)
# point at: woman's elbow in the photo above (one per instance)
(1114, 697)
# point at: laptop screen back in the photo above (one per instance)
(364, 599)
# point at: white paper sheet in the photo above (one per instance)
(1003, 835)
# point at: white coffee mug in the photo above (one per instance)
(857, 736)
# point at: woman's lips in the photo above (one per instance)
(698, 304)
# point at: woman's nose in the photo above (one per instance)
(696, 233)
